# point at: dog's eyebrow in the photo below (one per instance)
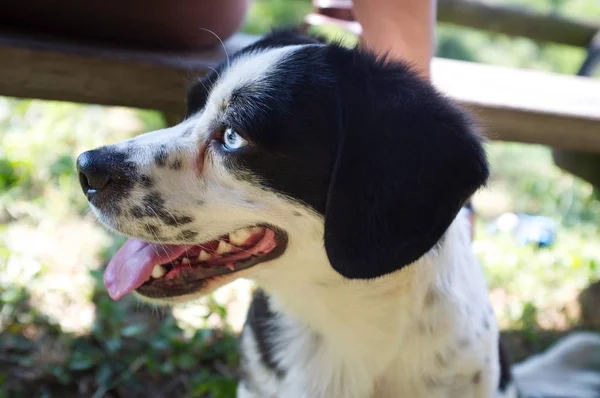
(251, 107)
(248, 69)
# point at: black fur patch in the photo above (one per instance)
(187, 235)
(262, 322)
(444, 360)
(137, 212)
(198, 93)
(161, 156)
(153, 201)
(187, 132)
(176, 164)
(361, 137)
(153, 230)
(463, 343)
(486, 324)
(430, 298)
(153, 205)
(505, 368)
(146, 181)
(174, 220)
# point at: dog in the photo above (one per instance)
(336, 180)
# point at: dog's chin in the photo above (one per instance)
(207, 288)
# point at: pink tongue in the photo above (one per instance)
(133, 263)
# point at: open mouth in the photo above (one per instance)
(159, 270)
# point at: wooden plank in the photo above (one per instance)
(517, 21)
(55, 69)
(514, 105)
(493, 17)
(561, 111)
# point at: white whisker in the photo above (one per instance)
(214, 70)
(222, 44)
(155, 236)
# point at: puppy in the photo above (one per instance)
(335, 180)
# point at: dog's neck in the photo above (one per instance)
(366, 314)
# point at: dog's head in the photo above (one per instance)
(290, 147)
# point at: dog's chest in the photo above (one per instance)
(433, 357)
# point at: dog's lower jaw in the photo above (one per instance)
(205, 291)
(411, 333)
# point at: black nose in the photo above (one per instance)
(95, 171)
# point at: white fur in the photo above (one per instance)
(379, 337)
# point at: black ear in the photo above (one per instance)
(407, 160)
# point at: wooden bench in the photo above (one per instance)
(513, 105)
(58, 69)
(559, 111)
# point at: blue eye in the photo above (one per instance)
(232, 140)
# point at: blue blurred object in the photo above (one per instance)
(528, 229)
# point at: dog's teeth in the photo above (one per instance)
(185, 260)
(230, 266)
(224, 247)
(240, 236)
(176, 262)
(203, 256)
(158, 271)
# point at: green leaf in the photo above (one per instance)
(12, 296)
(104, 374)
(82, 360)
(159, 343)
(113, 345)
(61, 374)
(186, 360)
(133, 330)
(167, 367)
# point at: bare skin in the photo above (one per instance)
(403, 29)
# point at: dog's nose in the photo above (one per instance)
(95, 171)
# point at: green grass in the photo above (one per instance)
(524, 179)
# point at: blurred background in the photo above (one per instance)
(61, 335)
